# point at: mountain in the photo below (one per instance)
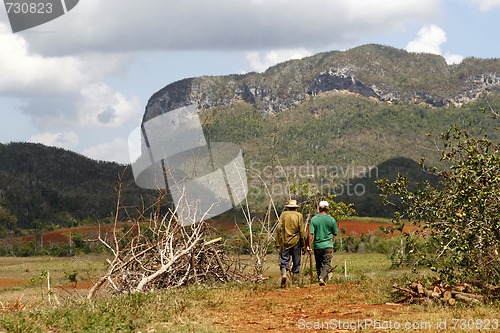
(379, 72)
(44, 186)
(330, 117)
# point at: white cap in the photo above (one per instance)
(324, 204)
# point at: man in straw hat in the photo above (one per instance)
(290, 241)
(323, 228)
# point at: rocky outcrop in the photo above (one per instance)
(245, 94)
(334, 80)
(171, 97)
(476, 86)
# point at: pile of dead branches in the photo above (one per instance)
(416, 292)
(157, 252)
(177, 256)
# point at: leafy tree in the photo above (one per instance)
(7, 221)
(311, 196)
(460, 217)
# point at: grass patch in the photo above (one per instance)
(368, 219)
(23, 282)
(27, 267)
(167, 311)
(360, 264)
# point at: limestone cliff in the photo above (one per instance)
(383, 73)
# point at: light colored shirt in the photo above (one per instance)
(290, 229)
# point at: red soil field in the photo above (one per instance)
(354, 228)
(6, 282)
(63, 235)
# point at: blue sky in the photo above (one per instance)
(82, 81)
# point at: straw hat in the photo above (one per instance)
(292, 204)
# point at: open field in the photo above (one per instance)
(358, 302)
(352, 226)
(22, 280)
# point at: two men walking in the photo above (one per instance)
(292, 240)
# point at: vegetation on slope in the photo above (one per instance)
(44, 186)
(336, 137)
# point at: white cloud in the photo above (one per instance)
(116, 151)
(61, 74)
(31, 73)
(27, 73)
(100, 105)
(95, 105)
(486, 5)
(259, 64)
(67, 140)
(452, 59)
(119, 25)
(64, 90)
(429, 40)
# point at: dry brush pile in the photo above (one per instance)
(158, 253)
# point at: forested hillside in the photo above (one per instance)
(344, 128)
(333, 141)
(44, 186)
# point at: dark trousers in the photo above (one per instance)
(291, 253)
(323, 258)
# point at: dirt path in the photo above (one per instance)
(307, 309)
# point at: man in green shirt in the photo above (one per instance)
(290, 241)
(322, 229)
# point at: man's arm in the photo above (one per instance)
(277, 236)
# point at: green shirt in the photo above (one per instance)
(323, 227)
(290, 229)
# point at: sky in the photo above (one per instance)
(82, 81)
